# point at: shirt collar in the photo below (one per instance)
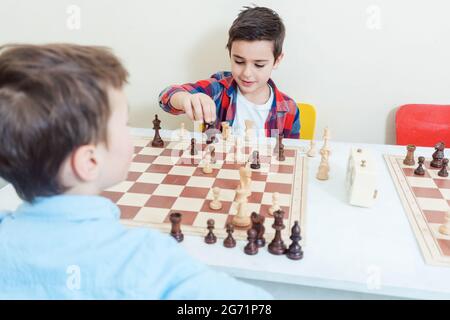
(70, 207)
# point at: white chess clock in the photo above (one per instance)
(361, 178)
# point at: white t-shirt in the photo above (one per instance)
(246, 110)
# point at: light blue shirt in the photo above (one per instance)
(74, 247)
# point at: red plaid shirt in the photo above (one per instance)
(284, 115)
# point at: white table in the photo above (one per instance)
(350, 252)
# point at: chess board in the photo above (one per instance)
(165, 180)
(426, 200)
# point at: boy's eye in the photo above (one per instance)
(259, 65)
(239, 62)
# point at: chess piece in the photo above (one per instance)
(294, 251)
(324, 168)
(210, 238)
(251, 248)
(157, 141)
(242, 219)
(326, 137)
(312, 150)
(279, 142)
(420, 171)
(258, 226)
(175, 219)
(409, 159)
(277, 245)
(443, 172)
(245, 176)
(215, 204)
(207, 165)
(438, 155)
(194, 150)
(210, 133)
(212, 152)
(445, 227)
(225, 130)
(229, 241)
(249, 130)
(255, 160)
(275, 206)
(182, 132)
(281, 156)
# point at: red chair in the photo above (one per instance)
(423, 124)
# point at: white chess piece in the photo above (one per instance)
(225, 130)
(215, 204)
(275, 206)
(242, 217)
(445, 227)
(324, 167)
(326, 137)
(312, 150)
(249, 130)
(207, 165)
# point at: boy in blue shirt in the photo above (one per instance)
(63, 124)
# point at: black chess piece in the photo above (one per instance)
(294, 251)
(229, 241)
(258, 225)
(175, 219)
(281, 156)
(255, 160)
(157, 141)
(443, 172)
(277, 144)
(420, 171)
(212, 153)
(438, 155)
(251, 248)
(277, 245)
(210, 238)
(194, 150)
(210, 133)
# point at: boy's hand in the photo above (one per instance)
(198, 106)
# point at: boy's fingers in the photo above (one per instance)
(207, 109)
(198, 113)
(188, 110)
(213, 111)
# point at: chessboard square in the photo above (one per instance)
(265, 211)
(145, 188)
(434, 216)
(225, 195)
(444, 244)
(151, 215)
(254, 207)
(189, 161)
(133, 199)
(434, 174)
(226, 205)
(187, 217)
(281, 168)
(226, 184)
(128, 212)
(202, 218)
(231, 165)
(113, 196)
(176, 179)
(258, 186)
(123, 186)
(194, 192)
(409, 172)
(156, 201)
(172, 153)
(427, 192)
(140, 158)
(279, 178)
(182, 171)
(166, 160)
(139, 166)
(168, 190)
(432, 204)
(148, 177)
(191, 203)
(204, 182)
(178, 145)
(140, 142)
(278, 187)
(442, 183)
(229, 174)
(283, 199)
(159, 168)
(199, 173)
(268, 222)
(255, 197)
(150, 151)
(136, 150)
(260, 176)
(288, 161)
(133, 176)
(420, 182)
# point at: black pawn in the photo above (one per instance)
(157, 141)
(443, 172)
(420, 171)
(210, 237)
(229, 241)
(255, 161)
(175, 232)
(295, 250)
(251, 248)
(193, 147)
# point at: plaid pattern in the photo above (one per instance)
(284, 115)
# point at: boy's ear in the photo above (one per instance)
(84, 163)
(277, 62)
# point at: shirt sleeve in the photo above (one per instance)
(294, 131)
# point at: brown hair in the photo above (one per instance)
(258, 23)
(53, 99)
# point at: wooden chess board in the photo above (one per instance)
(169, 179)
(426, 200)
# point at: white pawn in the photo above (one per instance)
(445, 227)
(275, 206)
(326, 137)
(312, 150)
(207, 165)
(216, 204)
(324, 167)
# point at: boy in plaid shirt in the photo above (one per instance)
(247, 92)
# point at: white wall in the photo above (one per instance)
(339, 56)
